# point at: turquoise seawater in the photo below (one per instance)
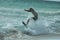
(12, 14)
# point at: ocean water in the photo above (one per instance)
(12, 14)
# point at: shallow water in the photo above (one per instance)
(12, 14)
